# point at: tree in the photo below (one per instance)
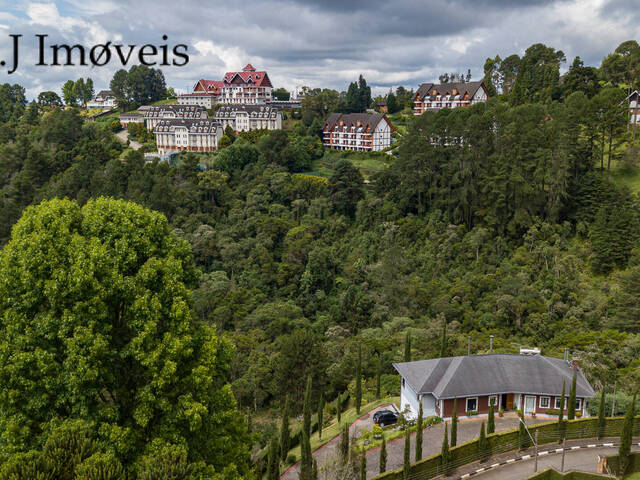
(407, 347)
(491, 422)
(538, 75)
(280, 94)
(306, 409)
(126, 310)
(49, 99)
(320, 412)
(273, 468)
(285, 433)
(378, 374)
(454, 423)
(363, 466)
(406, 464)
(443, 338)
(345, 188)
(344, 444)
(338, 408)
(602, 419)
(419, 427)
(522, 435)
(445, 456)
(483, 444)
(383, 455)
(392, 104)
(224, 141)
(314, 470)
(627, 300)
(561, 424)
(626, 438)
(359, 379)
(571, 406)
(306, 459)
(68, 93)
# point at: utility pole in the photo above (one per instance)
(535, 446)
(613, 404)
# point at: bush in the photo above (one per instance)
(291, 459)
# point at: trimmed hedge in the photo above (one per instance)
(551, 473)
(467, 452)
(613, 462)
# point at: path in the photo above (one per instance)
(123, 136)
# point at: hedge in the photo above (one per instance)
(613, 462)
(467, 452)
(551, 473)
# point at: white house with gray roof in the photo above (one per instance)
(531, 383)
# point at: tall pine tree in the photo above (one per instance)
(483, 445)
(602, 420)
(626, 438)
(407, 347)
(419, 434)
(378, 374)
(285, 433)
(443, 339)
(359, 379)
(445, 456)
(320, 412)
(561, 424)
(363, 466)
(306, 409)
(383, 455)
(571, 404)
(491, 422)
(344, 444)
(454, 423)
(406, 464)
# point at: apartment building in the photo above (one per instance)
(365, 132)
(242, 118)
(430, 96)
(194, 135)
(154, 114)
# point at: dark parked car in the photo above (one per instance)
(386, 418)
(380, 412)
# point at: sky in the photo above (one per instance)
(316, 43)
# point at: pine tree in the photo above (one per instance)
(560, 415)
(491, 422)
(273, 468)
(363, 466)
(406, 464)
(344, 444)
(602, 420)
(285, 433)
(419, 434)
(522, 435)
(443, 341)
(383, 455)
(571, 407)
(314, 470)
(445, 457)
(626, 437)
(454, 423)
(359, 379)
(378, 374)
(483, 450)
(306, 409)
(338, 408)
(407, 347)
(306, 458)
(320, 413)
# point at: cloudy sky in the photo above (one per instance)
(311, 42)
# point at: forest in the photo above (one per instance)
(507, 218)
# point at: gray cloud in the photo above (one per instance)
(305, 42)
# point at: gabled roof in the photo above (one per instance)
(369, 121)
(195, 126)
(248, 76)
(429, 89)
(210, 86)
(257, 111)
(492, 374)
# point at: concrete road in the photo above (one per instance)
(123, 136)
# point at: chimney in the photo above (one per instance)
(566, 355)
(574, 364)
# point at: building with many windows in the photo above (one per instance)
(194, 135)
(633, 101)
(364, 132)
(153, 114)
(431, 96)
(242, 118)
(104, 99)
(248, 86)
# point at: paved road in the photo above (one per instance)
(585, 460)
(468, 429)
(123, 136)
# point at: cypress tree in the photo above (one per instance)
(407, 347)
(383, 455)
(571, 407)
(359, 379)
(406, 464)
(602, 420)
(285, 434)
(320, 413)
(338, 408)
(522, 435)
(626, 437)
(344, 444)
(314, 470)
(560, 415)
(378, 374)
(419, 434)
(483, 450)
(454, 423)
(491, 422)
(305, 456)
(273, 467)
(306, 410)
(444, 453)
(363, 466)
(443, 341)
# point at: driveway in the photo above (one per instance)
(123, 136)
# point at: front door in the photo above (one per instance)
(529, 404)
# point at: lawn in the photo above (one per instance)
(633, 476)
(368, 163)
(334, 429)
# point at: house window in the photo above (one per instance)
(578, 403)
(544, 402)
(557, 403)
(493, 399)
(472, 404)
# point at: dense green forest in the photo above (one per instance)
(503, 219)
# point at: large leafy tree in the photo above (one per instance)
(96, 324)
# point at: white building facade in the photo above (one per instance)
(433, 97)
(104, 99)
(357, 131)
(154, 114)
(179, 135)
(242, 118)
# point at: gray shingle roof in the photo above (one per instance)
(492, 374)
(426, 89)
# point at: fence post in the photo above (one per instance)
(535, 451)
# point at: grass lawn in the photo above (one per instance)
(334, 429)
(633, 476)
(368, 163)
